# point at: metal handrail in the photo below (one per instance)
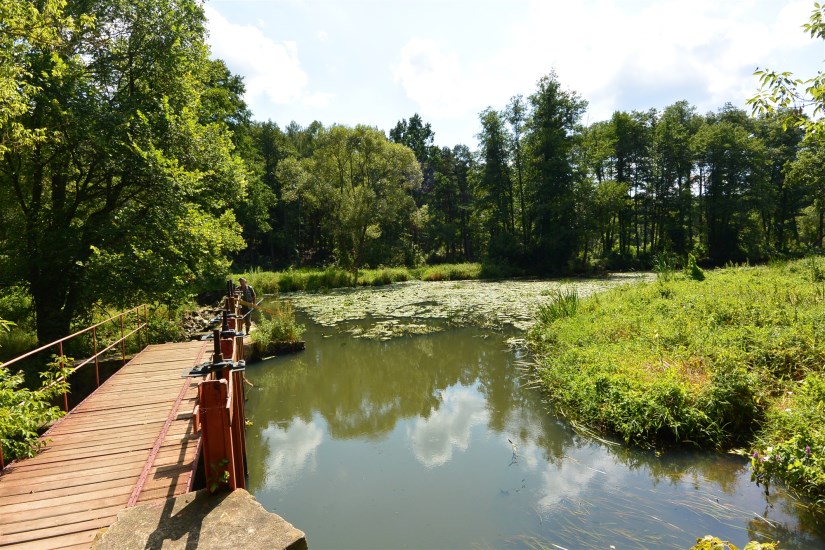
(69, 337)
(95, 357)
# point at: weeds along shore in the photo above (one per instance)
(731, 359)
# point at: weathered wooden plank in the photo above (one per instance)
(97, 453)
(83, 539)
(45, 533)
(64, 519)
(56, 493)
(70, 479)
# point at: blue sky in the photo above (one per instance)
(378, 61)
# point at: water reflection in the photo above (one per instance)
(289, 451)
(429, 441)
(434, 439)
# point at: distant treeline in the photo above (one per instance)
(131, 169)
(543, 192)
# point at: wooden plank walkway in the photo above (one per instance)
(129, 442)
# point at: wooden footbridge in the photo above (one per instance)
(172, 415)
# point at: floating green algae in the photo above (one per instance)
(410, 307)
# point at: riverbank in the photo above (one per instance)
(314, 280)
(731, 362)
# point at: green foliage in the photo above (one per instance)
(16, 341)
(218, 475)
(693, 271)
(113, 184)
(675, 362)
(268, 282)
(709, 542)
(451, 272)
(665, 266)
(24, 412)
(791, 448)
(780, 91)
(280, 326)
(165, 324)
(564, 303)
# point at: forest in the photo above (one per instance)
(131, 169)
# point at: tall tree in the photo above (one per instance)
(555, 115)
(732, 161)
(495, 184)
(126, 191)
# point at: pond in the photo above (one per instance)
(429, 438)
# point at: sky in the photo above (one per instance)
(376, 62)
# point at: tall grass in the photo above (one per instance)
(563, 303)
(732, 361)
(279, 326)
(314, 280)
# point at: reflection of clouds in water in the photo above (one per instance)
(571, 478)
(290, 449)
(434, 439)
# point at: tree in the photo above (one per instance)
(555, 115)
(124, 190)
(806, 172)
(362, 183)
(495, 184)
(517, 115)
(780, 91)
(732, 159)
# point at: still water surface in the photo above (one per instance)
(430, 441)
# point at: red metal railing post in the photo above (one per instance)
(137, 324)
(216, 436)
(97, 362)
(60, 360)
(238, 428)
(122, 341)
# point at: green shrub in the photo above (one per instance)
(279, 327)
(15, 342)
(692, 270)
(791, 448)
(709, 364)
(24, 412)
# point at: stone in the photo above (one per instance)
(201, 520)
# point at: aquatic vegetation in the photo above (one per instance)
(280, 326)
(732, 362)
(493, 304)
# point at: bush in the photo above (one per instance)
(279, 327)
(24, 412)
(791, 448)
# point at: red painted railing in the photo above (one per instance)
(58, 345)
(219, 413)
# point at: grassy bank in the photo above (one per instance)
(733, 361)
(313, 280)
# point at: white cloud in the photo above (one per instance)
(322, 36)
(318, 100)
(271, 70)
(432, 78)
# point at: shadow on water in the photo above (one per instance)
(431, 441)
